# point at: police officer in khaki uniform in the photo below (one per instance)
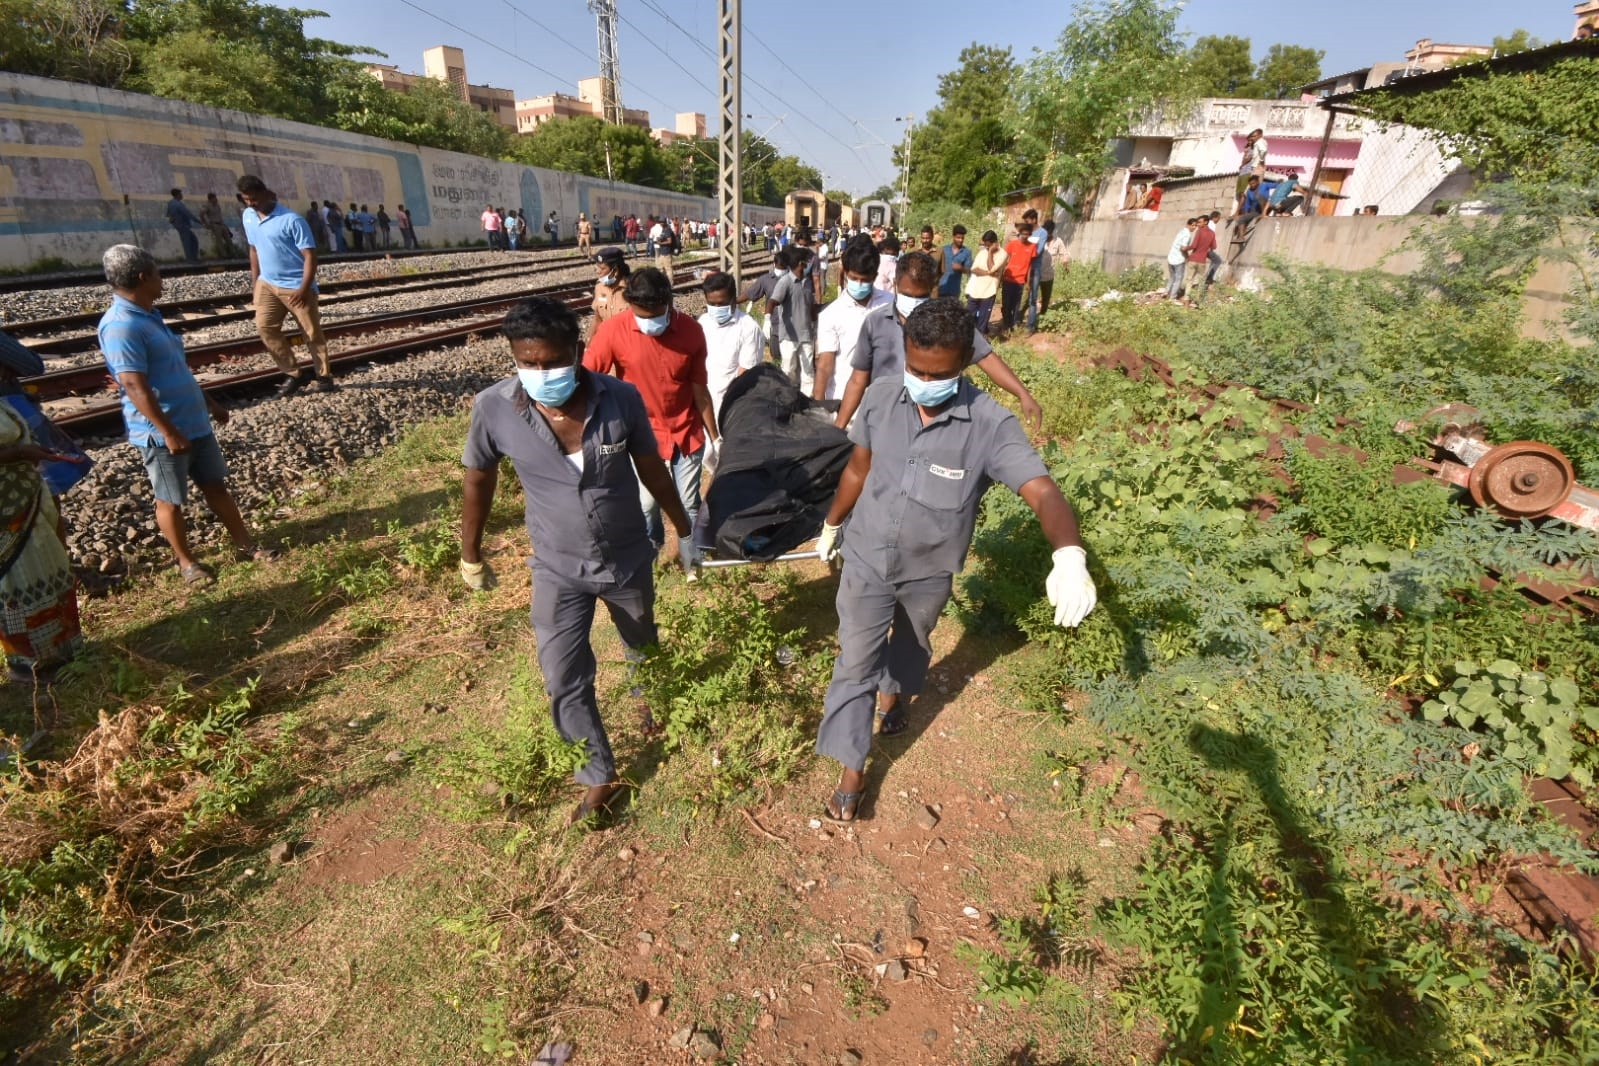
(575, 439)
(613, 275)
(927, 446)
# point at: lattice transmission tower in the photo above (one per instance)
(610, 61)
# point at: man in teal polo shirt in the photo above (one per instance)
(283, 272)
(167, 413)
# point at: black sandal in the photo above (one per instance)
(848, 804)
(892, 722)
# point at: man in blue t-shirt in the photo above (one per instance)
(183, 220)
(167, 413)
(283, 271)
(957, 263)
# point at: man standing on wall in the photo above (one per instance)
(183, 220)
(283, 274)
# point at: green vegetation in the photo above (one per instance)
(1224, 66)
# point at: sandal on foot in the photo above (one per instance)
(892, 722)
(848, 804)
(196, 574)
(256, 554)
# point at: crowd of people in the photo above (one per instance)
(613, 440)
(358, 229)
(612, 437)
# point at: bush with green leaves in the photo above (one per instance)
(1530, 717)
(736, 695)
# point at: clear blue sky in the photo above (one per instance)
(859, 63)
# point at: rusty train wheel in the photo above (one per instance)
(1522, 479)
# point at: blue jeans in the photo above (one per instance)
(191, 245)
(686, 473)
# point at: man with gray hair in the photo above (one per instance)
(283, 272)
(167, 413)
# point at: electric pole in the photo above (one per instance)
(610, 60)
(730, 170)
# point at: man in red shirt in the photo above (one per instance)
(1197, 280)
(661, 352)
(1019, 254)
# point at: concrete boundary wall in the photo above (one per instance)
(82, 168)
(1345, 243)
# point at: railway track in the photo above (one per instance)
(67, 279)
(41, 335)
(62, 392)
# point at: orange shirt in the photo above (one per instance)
(1019, 260)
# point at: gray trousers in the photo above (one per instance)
(563, 613)
(885, 634)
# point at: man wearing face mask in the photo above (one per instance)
(733, 341)
(839, 328)
(662, 352)
(927, 446)
(576, 439)
(880, 352)
(759, 291)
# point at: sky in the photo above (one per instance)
(832, 80)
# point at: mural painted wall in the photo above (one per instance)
(83, 168)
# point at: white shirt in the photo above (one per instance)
(1179, 247)
(839, 329)
(887, 267)
(729, 349)
(1056, 249)
(655, 232)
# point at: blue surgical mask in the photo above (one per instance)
(931, 393)
(609, 279)
(906, 304)
(653, 327)
(858, 290)
(552, 387)
(721, 315)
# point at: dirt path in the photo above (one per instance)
(405, 924)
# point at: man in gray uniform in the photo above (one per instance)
(575, 439)
(927, 446)
(880, 352)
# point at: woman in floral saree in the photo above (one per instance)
(38, 597)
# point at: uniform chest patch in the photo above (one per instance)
(946, 472)
(613, 449)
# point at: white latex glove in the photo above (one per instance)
(1070, 589)
(689, 554)
(712, 456)
(477, 576)
(827, 543)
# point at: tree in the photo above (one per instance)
(963, 152)
(429, 113)
(74, 40)
(839, 196)
(1110, 67)
(580, 145)
(882, 192)
(1518, 41)
(235, 53)
(1285, 68)
(1222, 66)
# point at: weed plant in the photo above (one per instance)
(1247, 633)
(737, 696)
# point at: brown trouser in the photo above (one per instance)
(271, 305)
